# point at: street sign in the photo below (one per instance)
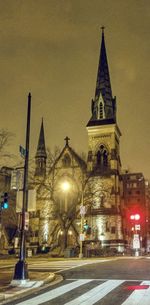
(31, 201)
(17, 178)
(81, 237)
(137, 227)
(16, 242)
(136, 241)
(22, 151)
(26, 221)
(82, 210)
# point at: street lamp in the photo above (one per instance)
(65, 187)
(21, 270)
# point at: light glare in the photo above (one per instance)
(65, 186)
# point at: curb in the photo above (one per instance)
(15, 291)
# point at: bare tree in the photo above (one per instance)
(8, 216)
(5, 140)
(84, 191)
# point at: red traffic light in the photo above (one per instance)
(135, 217)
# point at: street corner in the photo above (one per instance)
(15, 288)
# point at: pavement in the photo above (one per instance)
(37, 280)
(9, 290)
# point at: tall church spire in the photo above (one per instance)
(103, 84)
(41, 156)
(103, 104)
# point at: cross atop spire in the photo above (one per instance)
(67, 139)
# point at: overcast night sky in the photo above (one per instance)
(51, 48)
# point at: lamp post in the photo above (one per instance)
(21, 270)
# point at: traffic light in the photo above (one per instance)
(5, 204)
(135, 214)
(135, 217)
(86, 228)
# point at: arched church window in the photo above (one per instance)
(102, 156)
(98, 157)
(66, 161)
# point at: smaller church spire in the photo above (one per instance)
(41, 149)
(41, 156)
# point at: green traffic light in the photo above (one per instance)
(5, 205)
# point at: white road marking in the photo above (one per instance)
(92, 296)
(139, 297)
(52, 294)
(96, 294)
(65, 265)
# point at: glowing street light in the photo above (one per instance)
(65, 186)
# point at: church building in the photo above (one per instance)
(72, 183)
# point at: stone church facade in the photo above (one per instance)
(94, 183)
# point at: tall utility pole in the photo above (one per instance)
(21, 268)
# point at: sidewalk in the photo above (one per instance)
(9, 292)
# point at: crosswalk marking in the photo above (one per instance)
(52, 294)
(139, 297)
(96, 294)
(64, 265)
(93, 295)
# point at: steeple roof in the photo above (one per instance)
(103, 104)
(41, 149)
(103, 84)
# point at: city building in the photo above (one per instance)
(134, 208)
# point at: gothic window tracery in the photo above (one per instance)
(66, 160)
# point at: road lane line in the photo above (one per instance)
(52, 294)
(96, 294)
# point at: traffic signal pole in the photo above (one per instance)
(81, 227)
(21, 268)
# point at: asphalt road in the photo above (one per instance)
(121, 281)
